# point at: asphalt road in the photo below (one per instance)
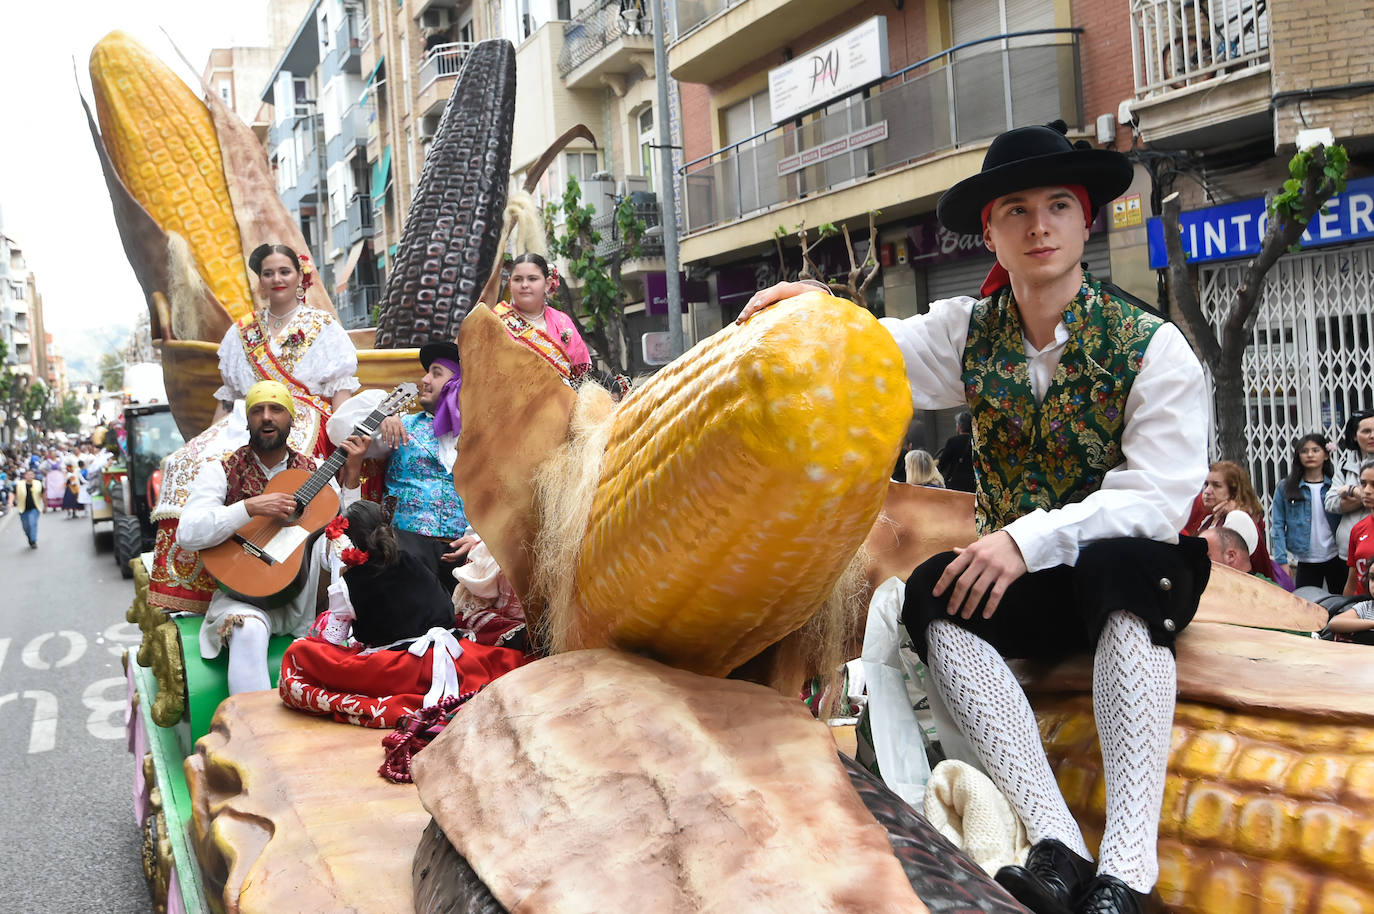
(66, 776)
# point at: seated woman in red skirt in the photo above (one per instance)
(386, 647)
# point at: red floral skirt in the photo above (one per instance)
(377, 689)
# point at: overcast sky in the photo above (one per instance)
(52, 192)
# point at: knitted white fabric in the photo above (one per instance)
(969, 810)
(991, 710)
(1134, 683)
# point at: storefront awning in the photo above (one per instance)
(381, 173)
(352, 262)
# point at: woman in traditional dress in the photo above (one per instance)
(69, 496)
(287, 341)
(531, 320)
(54, 483)
(303, 348)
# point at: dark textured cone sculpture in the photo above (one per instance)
(449, 242)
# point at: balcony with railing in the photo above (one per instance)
(352, 133)
(962, 96)
(647, 210)
(606, 41)
(1201, 70)
(713, 38)
(355, 306)
(350, 43)
(359, 218)
(438, 68)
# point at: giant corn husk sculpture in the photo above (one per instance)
(193, 195)
(1271, 794)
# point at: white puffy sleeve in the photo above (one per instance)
(235, 372)
(331, 365)
(932, 345)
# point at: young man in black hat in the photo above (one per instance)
(420, 450)
(1089, 439)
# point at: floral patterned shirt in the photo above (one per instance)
(421, 481)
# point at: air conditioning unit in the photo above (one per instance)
(434, 18)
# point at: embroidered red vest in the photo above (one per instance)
(246, 477)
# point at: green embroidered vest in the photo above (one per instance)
(1030, 455)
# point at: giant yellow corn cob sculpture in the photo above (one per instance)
(738, 483)
(162, 142)
(1261, 813)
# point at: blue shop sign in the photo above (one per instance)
(1234, 230)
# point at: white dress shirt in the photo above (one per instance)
(207, 521)
(1163, 445)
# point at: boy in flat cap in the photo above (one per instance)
(1090, 441)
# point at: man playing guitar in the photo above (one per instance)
(224, 495)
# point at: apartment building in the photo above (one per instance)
(317, 141)
(16, 305)
(801, 113)
(1222, 91)
(237, 75)
(584, 62)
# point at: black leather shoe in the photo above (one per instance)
(1109, 895)
(1050, 881)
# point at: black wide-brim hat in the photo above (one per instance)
(1030, 157)
(439, 349)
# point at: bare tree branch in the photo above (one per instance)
(1194, 324)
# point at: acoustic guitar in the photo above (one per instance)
(263, 562)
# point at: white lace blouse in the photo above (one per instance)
(327, 367)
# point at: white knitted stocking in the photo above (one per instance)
(990, 708)
(1134, 683)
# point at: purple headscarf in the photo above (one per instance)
(446, 416)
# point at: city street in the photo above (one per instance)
(71, 844)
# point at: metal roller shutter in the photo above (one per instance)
(963, 277)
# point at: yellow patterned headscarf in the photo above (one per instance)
(270, 392)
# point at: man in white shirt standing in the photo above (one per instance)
(1089, 439)
(224, 495)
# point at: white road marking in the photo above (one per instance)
(106, 720)
(122, 634)
(4, 651)
(76, 648)
(43, 735)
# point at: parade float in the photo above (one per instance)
(688, 557)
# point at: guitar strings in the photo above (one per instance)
(315, 486)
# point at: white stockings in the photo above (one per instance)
(1134, 683)
(1133, 700)
(991, 710)
(248, 657)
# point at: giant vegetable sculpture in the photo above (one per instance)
(719, 522)
(193, 194)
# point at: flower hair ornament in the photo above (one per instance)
(340, 545)
(307, 277)
(554, 282)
